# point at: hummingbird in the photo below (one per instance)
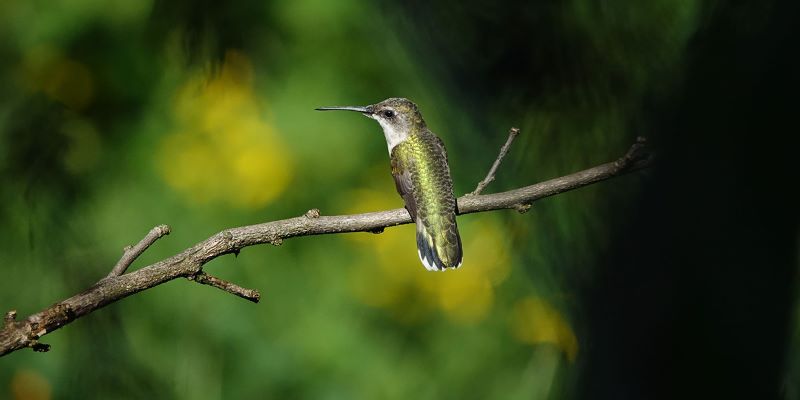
(422, 178)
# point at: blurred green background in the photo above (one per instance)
(117, 116)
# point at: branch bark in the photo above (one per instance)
(188, 264)
(130, 254)
(512, 134)
(232, 288)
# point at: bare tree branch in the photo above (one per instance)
(232, 288)
(131, 253)
(512, 134)
(16, 335)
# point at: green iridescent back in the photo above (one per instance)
(420, 166)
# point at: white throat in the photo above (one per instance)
(393, 136)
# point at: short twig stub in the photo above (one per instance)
(512, 134)
(131, 253)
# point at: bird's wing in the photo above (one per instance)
(402, 181)
(449, 252)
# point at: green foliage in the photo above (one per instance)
(119, 117)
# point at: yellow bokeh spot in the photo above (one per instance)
(44, 69)
(391, 275)
(464, 295)
(222, 150)
(467, 294)
(535, 321)
(487, 249)
(29, 385)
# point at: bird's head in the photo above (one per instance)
(398, 117)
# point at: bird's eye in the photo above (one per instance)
(388, 113)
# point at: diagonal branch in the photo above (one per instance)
(232, 288)
(16, 335)
(512, 134)
(132, 253)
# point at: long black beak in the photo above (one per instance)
(365, 110)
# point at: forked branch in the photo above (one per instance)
(131, 253)
(16, 335)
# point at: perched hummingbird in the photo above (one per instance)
(422, 177)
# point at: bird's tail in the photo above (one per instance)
(439, 252)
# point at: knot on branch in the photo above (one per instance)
(162, 230)
(312, 213)
(523, 208)
(62, 313)
(221, 243)
(10, 317)
(636, 153)
(39, 347)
